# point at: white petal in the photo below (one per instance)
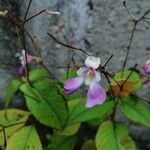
(148, 61)
(22, 58)
(97, 77)
(82, 71)
(23, 53)
(92, 62)
(87, 81)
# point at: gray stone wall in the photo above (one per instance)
(8, 46)
(103, 29)
(99, 26)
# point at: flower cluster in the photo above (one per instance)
(23, 61)
(91, 77)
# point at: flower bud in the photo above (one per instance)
(53, 12)
(147, 67)
(3, 13)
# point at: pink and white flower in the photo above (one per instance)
(89, 76)
(147, 67)
(23, 61)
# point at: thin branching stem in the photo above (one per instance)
(34, 16)
(129, 46)
(66, 45)
(108, 61)
(30, 1)
(136, 21)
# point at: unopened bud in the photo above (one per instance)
(53, 12)
(38, 60)
(147, 67)
(3, 13)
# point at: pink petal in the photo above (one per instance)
(72, 84)
(92, 62)
(147, 67)
(29, 58)
(21, 70)
(96, 95)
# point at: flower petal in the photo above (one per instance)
(87, 81)
(22, 58)
(21, 70)
(148, 61)
(96, 95)
(92, 62)
(147, 67)
(72, 84)
(97, 77)
(29, 58)
(82, 71)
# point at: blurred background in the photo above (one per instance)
(102, 27)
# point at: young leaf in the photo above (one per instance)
(114, 136)
(97, 121)
(127, 87)
(25, 138)
(38, 74)
(129, 80)
(15, 120)
(79, 113)
(125, 82)
(46, 103)
(63, 142)
(89, 145)
(12, 87)
(135, 109)
(127, 75)
(138, 85)
(70, 130)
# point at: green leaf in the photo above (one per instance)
(114, 136)
(97, 121)
(70, 74)
(138, 85)
(25, 138)
(38, 74)
(135, 109)
(70, 130)
(79, 113)
(75, 95)
(12, 87)
(46, 103)
(15, 120)
(63, 142)
(89, 145)
(102, 138)
(124, 141)
(128, 75)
